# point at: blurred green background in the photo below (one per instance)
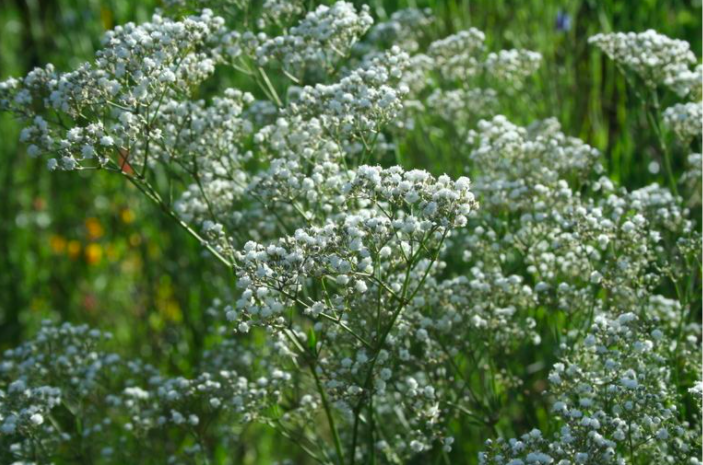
(83, 247)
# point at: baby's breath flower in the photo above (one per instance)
(361, 103)
(512, 65)
(322, 38)
(613, 396)
(403, 29)
(657, 59)
(456, 56)
(378, 298)
(684, 119)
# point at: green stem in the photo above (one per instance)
(653, 112)
(147, 190)
(270, 87)
(382, 340)
(328, 414)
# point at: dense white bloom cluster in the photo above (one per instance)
(656, 58)
(660, 60)
(361, 103)
(378, 298)
(692, 82)
(460, 106)
(495, 306)
(458, 69)
(530, 159)
(207, 142)
(174, 401)
(684, 119)
(281, 12)
(613, 392)
(325, 36)
(576, 246)
(64, 376)
(295, 138)
(121, 92)
(205, 138)
(456, 55)
(59, 367)
(404, 29)
(346, 248)
(417, 75)
(440, 200)
(571, 245)
(459, 57)
(512, 65)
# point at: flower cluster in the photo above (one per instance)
(346, 248)
(373, 304)
(684, 119)
(456, 55)
(404, 29)
(614, 401)
(512, 65)
(460, 106)
(574, 246)
(61, 389)
(121, 93)
(531, 159)
(281, 12)
(459, 57)
(359, 104)
(466, 82)
(656, 58)
(60, 367)
(324, 37)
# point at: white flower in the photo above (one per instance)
(360, 286)
(655, 57)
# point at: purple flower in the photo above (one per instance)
(563, 22)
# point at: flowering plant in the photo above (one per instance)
(372, 304)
